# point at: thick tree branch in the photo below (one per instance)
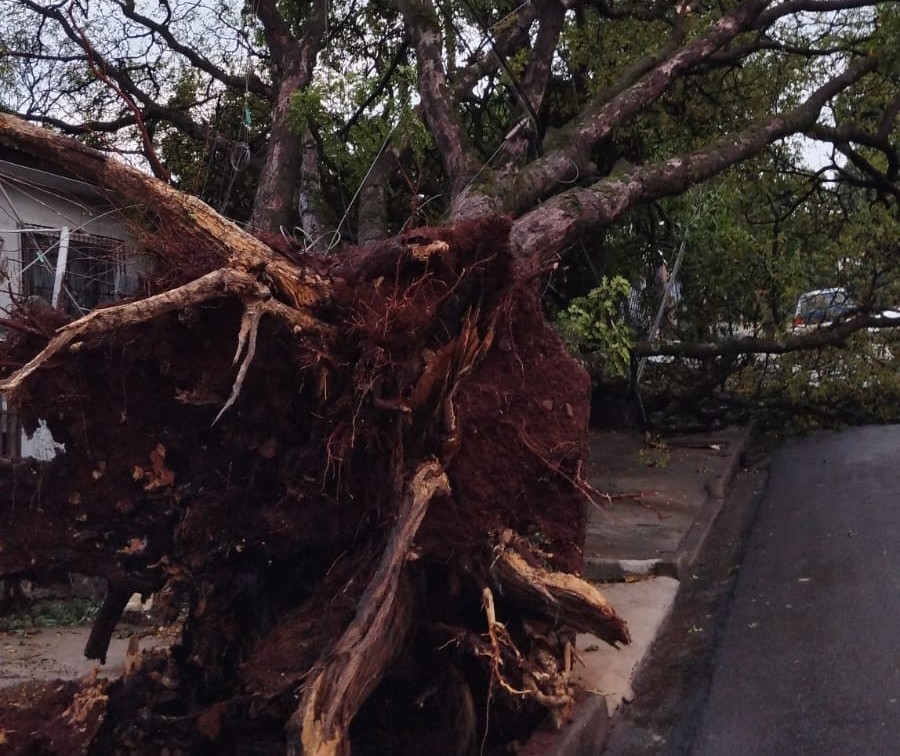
(598, 120)
(438, 105)
(889, 118)
(293, 63)
(871, 176)
(509, 36)
(554, 225)
(372, 218)
(101, 322)
(806, 6)
(537, 75)
(184, 216)
(831, 336)
(275, 29)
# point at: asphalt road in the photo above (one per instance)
(809, 663)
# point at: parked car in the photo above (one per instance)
(821, 307)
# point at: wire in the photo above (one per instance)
(30, 195)
(212, 148)
(513, 80)
(239, 156)
(483, 167)
(336, 234)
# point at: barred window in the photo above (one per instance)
(9, 430)
(95, 269)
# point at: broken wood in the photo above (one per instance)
(573, 602)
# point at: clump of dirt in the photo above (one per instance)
(274, 524)
(26, 710)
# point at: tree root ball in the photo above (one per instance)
(384, 521)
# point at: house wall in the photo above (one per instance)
(34, 197)
(30, 196)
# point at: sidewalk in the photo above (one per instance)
(662, 500)
(659, 504)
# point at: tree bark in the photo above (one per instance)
(554, 224)
(377, 633)
(293, 63)
(438, 105)
(372, 220)
(834, 335)
(309, 198)
(572, 161)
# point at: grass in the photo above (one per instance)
(52, 613)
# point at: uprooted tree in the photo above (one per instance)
(359, 475)
(382, 505)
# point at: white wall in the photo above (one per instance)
(33, 197)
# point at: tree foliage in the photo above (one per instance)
(478, 106)
(595, 323)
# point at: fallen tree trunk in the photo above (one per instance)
(179, 227)
(327, 500)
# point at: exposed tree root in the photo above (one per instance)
(358, 661)
(246, 340)
(224, 281)
(567, 598)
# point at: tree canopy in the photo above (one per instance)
(349, 120)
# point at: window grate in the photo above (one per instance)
(95, 268)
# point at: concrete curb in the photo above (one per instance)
(589, 730)
(676, 563)
(717, 487)
(585, 735)
(617, 570)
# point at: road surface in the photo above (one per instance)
(809, 663)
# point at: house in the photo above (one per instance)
(63, 242)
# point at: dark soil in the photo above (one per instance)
(268, 524)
